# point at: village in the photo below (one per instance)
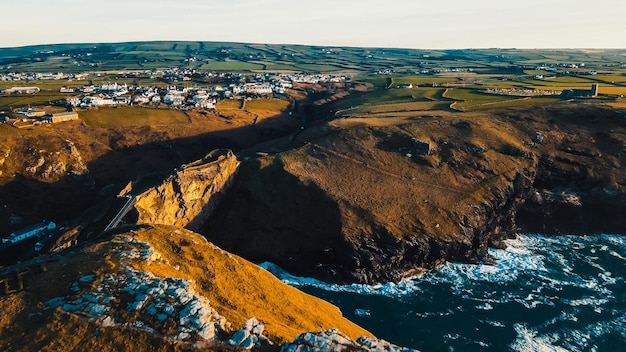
(179, 92)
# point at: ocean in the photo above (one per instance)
(565, 293)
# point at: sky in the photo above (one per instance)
(433, 24)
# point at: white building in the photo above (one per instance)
(206, 104)
(29, 232)
(259, 89)
(173, 99)
(31, 113)
(73, 101)
(21, 90)
(97, 101)
(62, 117)
(141, 99)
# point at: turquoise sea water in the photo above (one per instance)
(564, 293)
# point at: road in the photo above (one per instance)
(123, 211)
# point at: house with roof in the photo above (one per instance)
(31, 113)
(173, 99)
(61, 117)
(30, 232)
(21, 90)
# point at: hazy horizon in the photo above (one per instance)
(446, 24)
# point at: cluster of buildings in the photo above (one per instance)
(554, 68)
(522, 92)
(30, 76)
(219, 85)
(255, 85)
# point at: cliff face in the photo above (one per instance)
(34, 171)
(364, 204)
(359, 202)
(188, 197)
(580, 186)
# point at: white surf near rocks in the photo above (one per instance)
(333, 341)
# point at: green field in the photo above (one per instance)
(317, 67)
(51, 86)
(492, 83)
(389, 96)
(423, 80)
(20, 101)
(232, 66)
(509, 103)
(252, 57)
(269, 66)
(473, 97)
(112, 117)
(396, 108)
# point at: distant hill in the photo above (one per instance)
(275, 57)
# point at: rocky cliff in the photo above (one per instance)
(159, 289)
(188, 197)
(359, 202)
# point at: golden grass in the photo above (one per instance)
(239, 290)
(398, 107)
(267, 104)
(229, 104)
(129, 116)
(411, 196)
(612, 90)
(18, 101)
(236, 288)
(353, 122)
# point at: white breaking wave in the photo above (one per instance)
(562, 293)
(530, 340)
(391, 289)
(513, 261)
(526, 256)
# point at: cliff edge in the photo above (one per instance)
(380, 199)
(188, 197)
(155, 289)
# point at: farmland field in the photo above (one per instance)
(424, 80)
(398, 107)
(473, 96)
(513, 102)
(317, 67)
(229, 104)
(112, 117)
(612, 90)
(610, 78)
(267, 104)
(388, 96)
(232, 66)
(19, 101)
